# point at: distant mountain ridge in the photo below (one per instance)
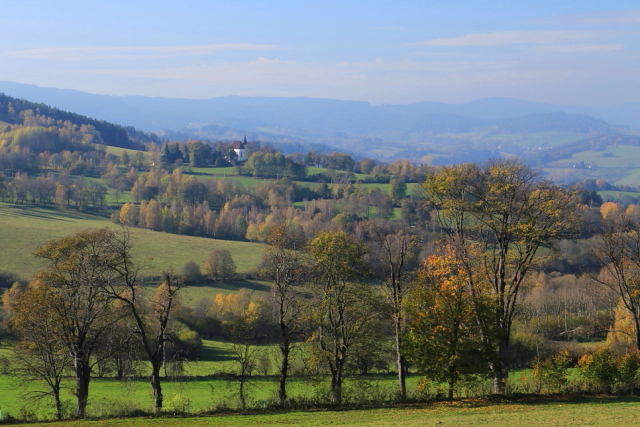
(294, 116)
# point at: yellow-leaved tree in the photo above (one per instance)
(505, 213)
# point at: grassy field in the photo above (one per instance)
(570, 174)
(202, 384)
(622, 156)
(569, 413)
(537, 139)
(618, 195)
(632, 177)
(117, 151)
(311, 170)
(243, 181)
(24, 228)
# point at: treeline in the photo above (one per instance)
(264, 161)
(179, 203)
(62, 191)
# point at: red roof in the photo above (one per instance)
(238, 145)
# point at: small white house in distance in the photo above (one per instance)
(240, 148)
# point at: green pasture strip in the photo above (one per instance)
(243, 181)
(191, 295)
(24, 228)
(312, 170)
(621, 156)
(381, 151)
(118, 151)
(580, 412)
(632, 177)
(565, 174)
(226, 171)
(618, 195)
(537, 139)
(412, 187)
(203, 393)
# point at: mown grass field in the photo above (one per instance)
(24, 228)
(202, 383)
(618, 195)
(632, 178)
(617, 164)
(536, 139)
(567, 413)
(118, 151)
(622, 156)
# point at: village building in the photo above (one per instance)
(239, 147)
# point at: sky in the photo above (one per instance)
(383, 52)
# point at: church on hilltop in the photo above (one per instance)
(240, 149)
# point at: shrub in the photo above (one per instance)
(599, 370)
(178, 403)
(551, 373)
(628, 366)
(220, 265)
(191, 271)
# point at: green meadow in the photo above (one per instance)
(603, 412)
(202, 383)
(537, 139)
(23, 228)
(622, 156)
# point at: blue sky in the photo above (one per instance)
(563, 52)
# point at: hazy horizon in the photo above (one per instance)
(582, 53)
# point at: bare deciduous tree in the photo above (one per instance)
(220, 265)
(285, 268)
(392, 251)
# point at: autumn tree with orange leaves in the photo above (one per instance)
(496, 217)
(443, 337)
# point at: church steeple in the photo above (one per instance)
(240, 148)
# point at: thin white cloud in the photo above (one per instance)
(131, 52)
(498, 38)
(554, 79)
(614, 18)
(364, 74)
(581, 48)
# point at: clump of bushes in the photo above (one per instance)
(605, 372)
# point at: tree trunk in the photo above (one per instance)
(499, 368)
(636, 329)
(452, 381)
(56, 398)
(241, 396)
(83, 376)
(156, 386)
(336, 388)
(400, 364)
(284, 367)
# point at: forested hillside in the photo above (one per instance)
(53, 126)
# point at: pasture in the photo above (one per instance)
(620, 156)
(23, 228)
(553, 412)
(205, 384)
(536, 139)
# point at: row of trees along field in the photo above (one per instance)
(477, 297)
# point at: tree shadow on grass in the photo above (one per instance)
(562, 399)
(234, 285)
(39, 212)
(215, 354)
